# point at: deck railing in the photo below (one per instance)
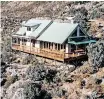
(53, 54)
(41, 52)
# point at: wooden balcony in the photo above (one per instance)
(52, 54)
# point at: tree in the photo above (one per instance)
(96, 54)
(35, 91)
(81, 17)
(39, 73)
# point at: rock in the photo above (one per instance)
(71, 68)
(18, 94)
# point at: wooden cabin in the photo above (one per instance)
(50, 39)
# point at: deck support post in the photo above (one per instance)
(20, 42)
(43, 44)
(48, 45)
(76, 47)
(63, 62)
(30, 45)
(55, 62)
(44, 59)
(57, 46)
(63, 46)
(17, 39)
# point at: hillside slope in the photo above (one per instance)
(51, 9)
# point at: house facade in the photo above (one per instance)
(50, 39)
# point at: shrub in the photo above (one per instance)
(39, 73)
(96, 54)
(29, 59)
(10, 80)
(36, 73)
(34, 91)
(94, 14)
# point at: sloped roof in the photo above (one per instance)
(33, 22)
(57, 32)
(21, 31)
(43, 25)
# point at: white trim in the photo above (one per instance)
(78, 31)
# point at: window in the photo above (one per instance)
(62, 46)
(28, 28)
(55, 46)
(33, 42)
(74, 34)
(24, 41)
(81, 33)
(18, 40)
(14, 40)
(58, 46)
(35, 27)
(24, 34)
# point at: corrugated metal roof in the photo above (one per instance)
(33, 22)
(43, 25)
(21, 31)
(57, 32)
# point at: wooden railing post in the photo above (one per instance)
(73, 54)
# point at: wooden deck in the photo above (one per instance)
(52, 54)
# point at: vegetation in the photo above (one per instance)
(35, 91)
(96, 54)
(10, 80)
(39, 72)
(45, 82)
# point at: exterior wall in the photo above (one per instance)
(67, 48)
(37, 44)
(20, 43)
(28, 43)
(28, 32)
(53, 46)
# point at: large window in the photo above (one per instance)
(33, 42)
(35, 27)
(24, 41)
(28, 28)
(18, 40)
(14, 40)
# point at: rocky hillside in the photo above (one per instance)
(23, 78)
(50, 9)
(13, 13)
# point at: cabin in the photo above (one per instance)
(51, 39)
